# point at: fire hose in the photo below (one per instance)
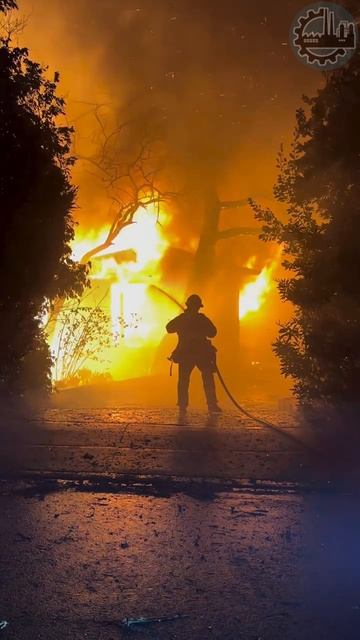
(265, 423)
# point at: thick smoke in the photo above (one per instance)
(219, 75)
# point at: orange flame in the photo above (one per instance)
(125, 271)
(254, 294)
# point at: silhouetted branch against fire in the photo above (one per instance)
(128, 162)
(234, 204)
(234, 232)
(10, 24)
(124, 218)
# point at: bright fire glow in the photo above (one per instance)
(144, 237)
(254, 294)
(121, 277)
(130, 265)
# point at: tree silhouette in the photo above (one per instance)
(211, 235)
(135, 162)
(127, 161)
(7, 5)
(36, 201)
(319, 182)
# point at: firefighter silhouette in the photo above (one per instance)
(194, 349)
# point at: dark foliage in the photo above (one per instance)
(320, 184)
(7, 5)
(36, 200)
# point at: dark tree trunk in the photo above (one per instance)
(205, 257)
(218, 282)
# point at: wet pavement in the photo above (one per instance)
(114, 514)
(155, 442)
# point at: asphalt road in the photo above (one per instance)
(123, 514)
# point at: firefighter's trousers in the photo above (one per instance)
(207, 373)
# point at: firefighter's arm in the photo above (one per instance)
(211, 330)
(173, 325)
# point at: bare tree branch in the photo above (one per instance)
(234, 204)
(128, 163)
(11, 25)
(7, 5)
(124, 218)
(237, 231)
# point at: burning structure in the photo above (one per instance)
(129, 284)
(167, 142)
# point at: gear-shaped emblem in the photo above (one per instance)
(324, 35)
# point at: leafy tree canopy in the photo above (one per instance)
(319, 182)
(36, 203)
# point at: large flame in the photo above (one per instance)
(130, 265)
(253, 295)
(121, 279)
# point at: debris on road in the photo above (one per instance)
(3, 624)
(129, 623)
(23, 537)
